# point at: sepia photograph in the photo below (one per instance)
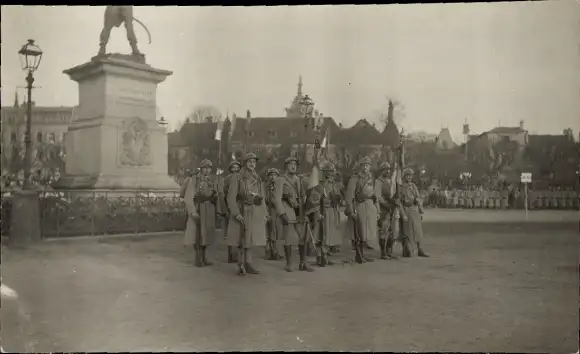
(387, 178)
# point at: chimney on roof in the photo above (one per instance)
(16, 103)
(248, 114)
(340, 125)
(521, 124)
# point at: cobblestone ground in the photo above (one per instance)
(487, 287)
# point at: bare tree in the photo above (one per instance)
(201, 113)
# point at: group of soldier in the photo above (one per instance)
(289, 211)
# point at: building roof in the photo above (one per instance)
(361, 133)
(507, 130)
(280, 130)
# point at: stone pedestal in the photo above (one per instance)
(115, 142)
(25, 218)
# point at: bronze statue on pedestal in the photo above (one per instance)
(114, 17)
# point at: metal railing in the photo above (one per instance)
(102, 212)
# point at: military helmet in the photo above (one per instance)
(235, 162)
(290, 159)
(272, 170)
(365, 161)
(408, 171)
(205, 163)
(327, 167)
(384, 166)
(249, 156)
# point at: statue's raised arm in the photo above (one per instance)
(114, 17)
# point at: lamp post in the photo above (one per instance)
(25, 214)
(30, 56)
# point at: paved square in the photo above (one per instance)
(495, 288)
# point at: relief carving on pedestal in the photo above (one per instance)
(135, 147)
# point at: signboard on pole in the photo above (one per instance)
(526, 177)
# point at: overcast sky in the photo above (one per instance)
(485, 62)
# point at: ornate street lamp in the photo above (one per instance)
(30, 56)
(162, 122)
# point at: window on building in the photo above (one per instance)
(506, 138)
(39, 137)
(293, 134)
(13, 137)
(251, 134)
(272, 133)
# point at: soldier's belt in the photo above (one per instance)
(290, 200)
(363, 199)
(203, 198)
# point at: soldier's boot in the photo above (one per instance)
(198, 256)
(365, 258)
(358, 258)
(309, 250)
(390, 244)
(204, 256)
(319, 261)
(231, 255)
(248, 262)
(420, 251)
(326, 261)
(241, 264)
(277, 255)
(406, 249)
(288, 254)
(302, 253)
(383, 249)
(354, 245)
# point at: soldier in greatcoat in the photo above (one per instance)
(201, 201)
(387, 205)
(289, 198)
(413, 208)
(231, 241)
(362, 207)
(323, 208)
(274, 225)
(246, 205)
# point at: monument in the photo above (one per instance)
(114, 141)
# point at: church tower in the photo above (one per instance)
(301, 104)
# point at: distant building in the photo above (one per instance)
(49, 125)
(443, 140)
(275, 138)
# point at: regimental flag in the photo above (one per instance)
(218, 131)
(325, 139)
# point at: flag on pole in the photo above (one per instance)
(325, 139)
(218, 131)
(232, 126)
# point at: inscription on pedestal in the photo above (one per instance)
(135, 144)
